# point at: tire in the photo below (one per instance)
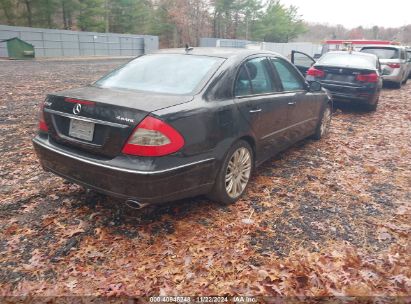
(372, 107)
(398, 85)
(405, 81)
(324, 123)
(239, 171)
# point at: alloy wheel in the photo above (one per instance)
(325, 121)
(238, 172)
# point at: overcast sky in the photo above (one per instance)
(352, 13)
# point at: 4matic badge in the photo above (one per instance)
(125, 119)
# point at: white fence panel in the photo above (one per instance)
(56, 43)
(286, 48)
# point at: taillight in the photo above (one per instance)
(80, 101)
(42, 122)
(316, 72)
(394, 65)
(153, 137)
(373, 77)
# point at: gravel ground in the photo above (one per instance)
(323, 218)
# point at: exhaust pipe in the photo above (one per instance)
(132, 204)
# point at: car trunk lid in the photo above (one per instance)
(343, 75)
(99, 121)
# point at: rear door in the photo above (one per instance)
(260, 101)
(303, 106)
(302, 61)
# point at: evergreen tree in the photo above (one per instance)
(92, 15)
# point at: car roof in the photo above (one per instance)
(217, 52)
(376, 46)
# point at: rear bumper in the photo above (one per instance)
(395, 76)
(349, 94)
(155, 186)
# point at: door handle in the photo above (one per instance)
(292, 103)
(256, 111)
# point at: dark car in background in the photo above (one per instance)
(394, 63)
(180, 123)
(349, 77)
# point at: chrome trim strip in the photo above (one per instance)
(289, 127)
(97, 121)
(271, 94)
(61, 152)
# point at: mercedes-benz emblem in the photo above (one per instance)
(77, 109)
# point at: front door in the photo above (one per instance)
(302, 61)
(304, 106)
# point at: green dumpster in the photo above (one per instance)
(15, 48)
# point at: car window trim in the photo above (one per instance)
(275, 73)
(276, 78)
(196, 90)
(249, 79)
(270, 94)
(294, 72)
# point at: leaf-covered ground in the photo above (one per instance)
(323, 218)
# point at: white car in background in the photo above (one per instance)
(409, 60)
(395, 64)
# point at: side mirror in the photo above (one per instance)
(315, 86)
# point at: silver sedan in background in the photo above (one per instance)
(409, 61)
(394, 62)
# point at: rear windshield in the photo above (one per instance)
(348, 60)
(162, 73)
(383, 53)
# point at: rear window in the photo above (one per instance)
(162, 73)
(348, 60)
(383, 53)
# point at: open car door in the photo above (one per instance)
(302, 61)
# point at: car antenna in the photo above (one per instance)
(188, 48)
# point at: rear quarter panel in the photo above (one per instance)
(209, 128)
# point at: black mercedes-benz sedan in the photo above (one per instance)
(350, 77)
(180, 123)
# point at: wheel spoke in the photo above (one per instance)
(244, 178)
(228, 177)
(236, 157)
(326, 121)
(234, 189)
(239, 187)
(245, 159)
(229, 187)
(246, 168)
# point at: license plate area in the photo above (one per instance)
(81, 129)
(341, 78)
